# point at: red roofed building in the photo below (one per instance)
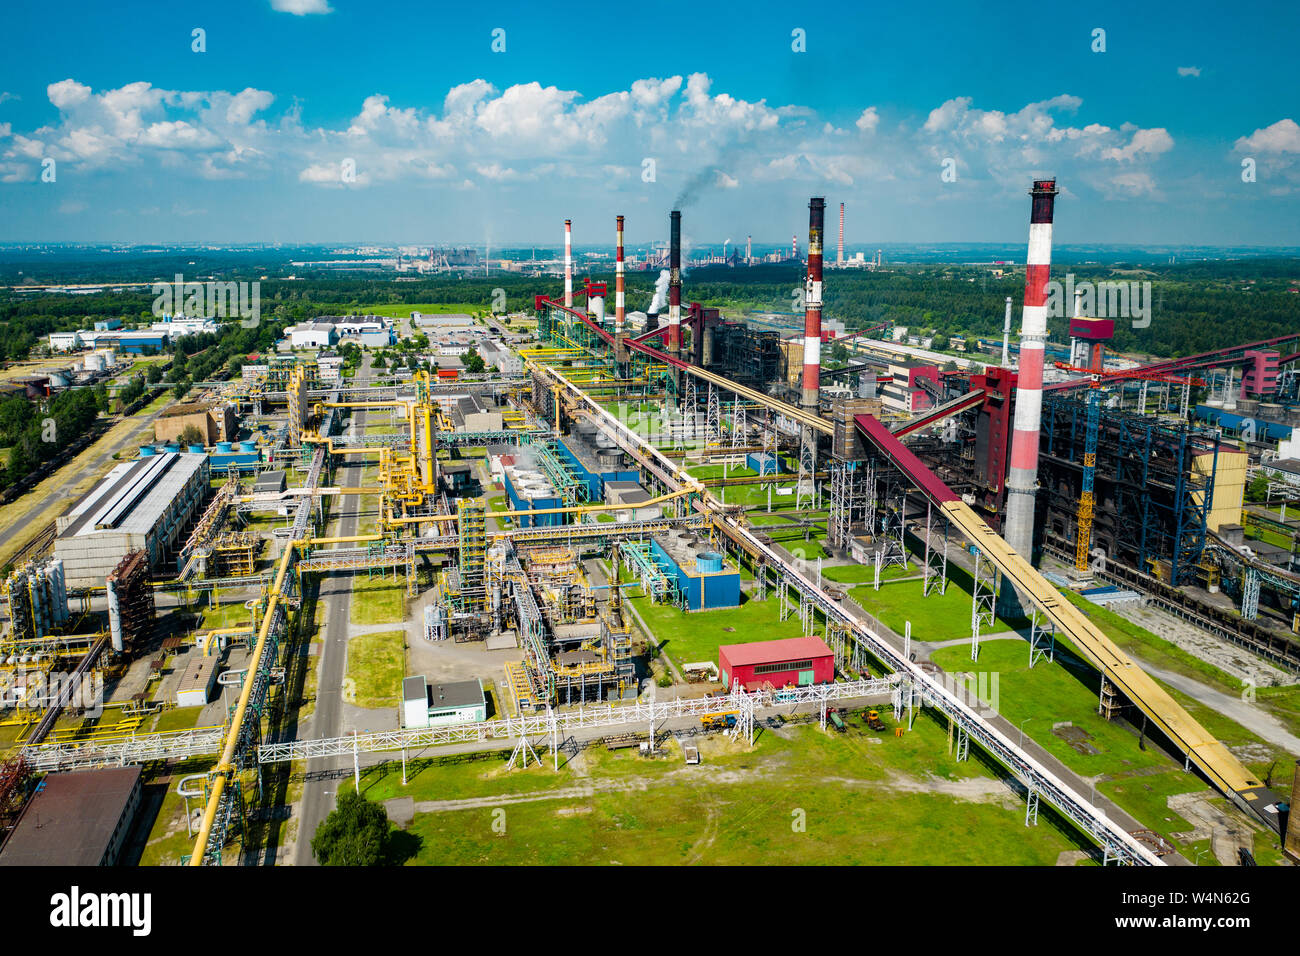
(797, 660)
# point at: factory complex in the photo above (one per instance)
(678, 535)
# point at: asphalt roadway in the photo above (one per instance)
(319, 790)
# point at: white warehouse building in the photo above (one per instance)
(144, 504)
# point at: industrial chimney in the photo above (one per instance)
(839, 253)
(812, 321)
(674, 282)
(1022, 480)
(620, 350)
(568, 263)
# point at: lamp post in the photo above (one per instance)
(1022, 729)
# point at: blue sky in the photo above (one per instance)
(396, 122)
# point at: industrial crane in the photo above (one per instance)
(1096, 375)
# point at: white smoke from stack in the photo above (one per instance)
(659, 301)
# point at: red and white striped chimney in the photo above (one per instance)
(812, 316)
(839, 253)
(568, 263)
(619, 355)
(1022, 481)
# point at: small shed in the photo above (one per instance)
(197, 680)
(799, 661)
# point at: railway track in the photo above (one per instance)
(34, 547)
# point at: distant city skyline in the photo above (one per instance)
(305, 121)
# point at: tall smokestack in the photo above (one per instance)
(839, 253)
(1022, 480)
(674, 282)
(749, 249)
(812, 320)
(1006, 336)
(568, 263)
(619, 348)
(794, 247)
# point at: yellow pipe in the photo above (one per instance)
(567, 509)
(226, 765)
(348, 539)
(207, 641)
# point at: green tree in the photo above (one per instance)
(1257, 490)
(472, 361)
(354, 834)
(190, 435)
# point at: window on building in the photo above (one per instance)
(788, 666)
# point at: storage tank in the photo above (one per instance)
(196, 449)
(110, 357)
(147, 451)
(707, 562)
(94, 362)
(223, 447)
(173, 447)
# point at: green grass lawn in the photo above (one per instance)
(168, 840)
(378, 600)
(178, 718)
(402, 310)
(739, 806)
(792, 539)
(939, 617)
(1268, 536)
(1139, 780)
(716, 471)
(226, 615)
(866, 573)
(376, 666)
(688, 637)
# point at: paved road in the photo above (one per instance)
(319, 795)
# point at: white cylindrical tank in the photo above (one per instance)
(114, 615)
(94, 362)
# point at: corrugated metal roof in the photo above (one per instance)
(774, 652)
(133, 496)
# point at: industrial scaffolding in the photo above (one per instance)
(473, 548)
(130, 603)
(1150, 504)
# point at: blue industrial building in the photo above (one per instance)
(521, 501)
(592, 478)
(763, 463)
(705, 578)
(134, 342)
(1232, 424)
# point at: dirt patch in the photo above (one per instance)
(572, 811)
(1077, 738)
